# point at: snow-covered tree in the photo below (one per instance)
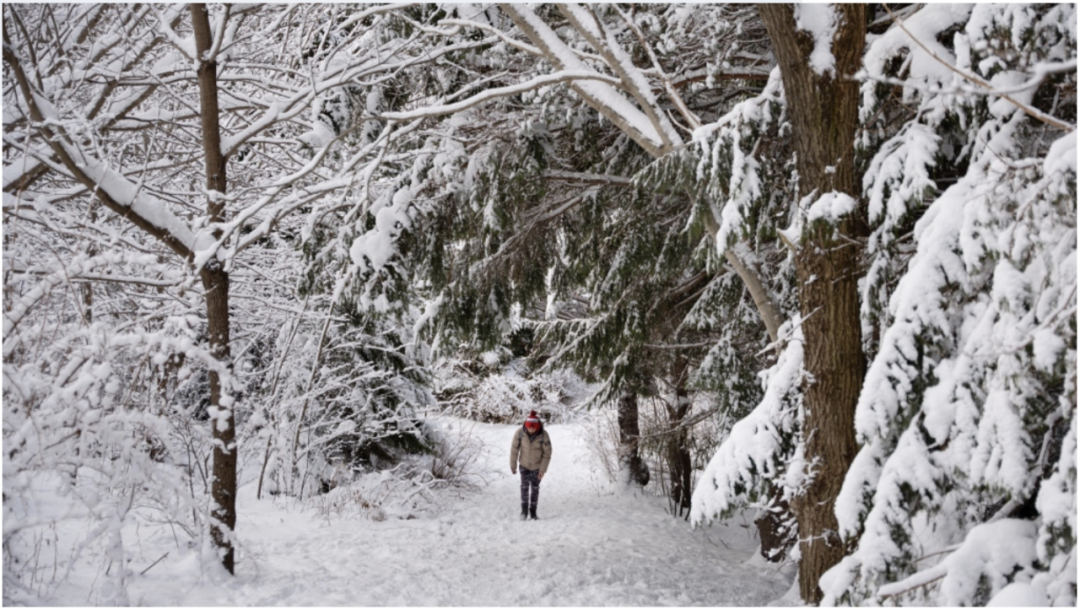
(157, 161)
(552, 172)
(965, 147)
(230, 232)
(967, 412)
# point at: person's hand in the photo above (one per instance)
(541, 476)
(513, 471)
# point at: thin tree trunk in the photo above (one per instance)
(679, 463)
(766, 306)
(630, 461)
(223, 483)
(88, 287)
(775, 530)
(216, 284)
(824, 115)
(678, 456)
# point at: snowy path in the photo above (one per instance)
(590, 547)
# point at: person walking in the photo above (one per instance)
(531, 448)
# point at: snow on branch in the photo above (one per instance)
(118, 193)
(588, 179)
(166, 21)
(517, 44)
(693, 119)
(760, 447)
(631, 78)
(601, 96)
(993, 554)
(1006, 92)
(564, 76)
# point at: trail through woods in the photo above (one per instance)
(591, 547)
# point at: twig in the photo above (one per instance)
(912, 588)
(1032, 112)
(154, 564)
(707, 537)
(941, 552)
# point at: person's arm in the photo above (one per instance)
(545, 454)
(515, 447)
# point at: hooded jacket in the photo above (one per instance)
(534, 453)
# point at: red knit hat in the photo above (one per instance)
(532, 420)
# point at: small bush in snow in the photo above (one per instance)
(489, 394)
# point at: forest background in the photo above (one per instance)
(815, 260)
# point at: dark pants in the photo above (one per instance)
(530, 487)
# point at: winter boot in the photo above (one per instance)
(525, 512)
(532, 513)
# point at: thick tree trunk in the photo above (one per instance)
(824, 115)
(630, 461)
(216, 284)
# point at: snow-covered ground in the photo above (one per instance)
(592, 546)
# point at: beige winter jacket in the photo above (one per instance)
(533, 454)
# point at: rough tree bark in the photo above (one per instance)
(215, 281)
(679, 465)
(824, 116)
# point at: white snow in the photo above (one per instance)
(831, 207)
(924, 70)
(1062, 155)
(819, 20)
(593, 546)
(1018, 595)
(373, 249)
(597, 92)
(996, 552)
(754, 450)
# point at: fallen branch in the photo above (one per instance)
(154, 564)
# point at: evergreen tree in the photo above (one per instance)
(968, 406)
(960, 418)
(549, 212)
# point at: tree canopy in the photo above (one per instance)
(249, 235)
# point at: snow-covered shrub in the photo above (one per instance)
(350, 401)
(495, 393)
(395, 493)
(453, 456)
(90, 439)
(601, 431)
(449, 462)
